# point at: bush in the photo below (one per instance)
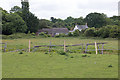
(56, 36)
(46, 52)
(76, 33)
(20, 52)
(48, 35)
(90, 32)
(33, 34)
(43, 34)
(62, 35)
(70, 34)
(84, 55)
(62, 53)
(110, 65)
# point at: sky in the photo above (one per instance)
(44, 9)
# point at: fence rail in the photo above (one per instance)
(64, 47)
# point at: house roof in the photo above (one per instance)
(54, 30)
(82, 26)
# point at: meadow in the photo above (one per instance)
(44, 64)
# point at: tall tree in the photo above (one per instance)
(96, 19)
(15, 9)
(31, 20)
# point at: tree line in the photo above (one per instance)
(21, 20)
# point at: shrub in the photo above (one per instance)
(84, 55)
(43, 34)
(33, 34)
(90, 32)
(20, 52)
(70, 34)
(46, 52)
(76, 33)
(71, 57)
(49, 35)
(56, 36)
(62, 53)
(62, 35)
(110, 65)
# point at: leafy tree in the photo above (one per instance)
(31, 20)
(15, 9)
(43, 23)
(53, 19)
(32, 23)
(13, 24)
(79, 21)
(96, 20)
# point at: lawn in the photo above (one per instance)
(53, 65)
(40, 65)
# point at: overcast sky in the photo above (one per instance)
(45, 9)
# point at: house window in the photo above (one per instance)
(57, 33)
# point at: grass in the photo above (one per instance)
(23, 43)
(41, 64)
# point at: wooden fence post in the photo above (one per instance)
(86, 48)
(64, 46)
(102, 48)
(29, 46)
(50, 47)
(5, 47)
(96, 47)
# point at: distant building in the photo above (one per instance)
(80, 27)
(119, 8)
(53, 31)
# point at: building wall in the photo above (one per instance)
(119, 8)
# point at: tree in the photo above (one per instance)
(79, 21)
(96, 20)
(31, 20)
(15, 9)
(13, 24)
(53, 19)
(43, 23)
(32, 23)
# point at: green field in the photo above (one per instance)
(53, 65)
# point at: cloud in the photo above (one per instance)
(64, 8)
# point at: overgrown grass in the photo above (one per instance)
(57, 64)
(15, 44)
(40, 65)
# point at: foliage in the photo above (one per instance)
(90, 32)
(109, 31)
(96, 19)
(15, 9)
(70, 34)
(62, 53)
(43, 34)
(13, 23)
(76, 33)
